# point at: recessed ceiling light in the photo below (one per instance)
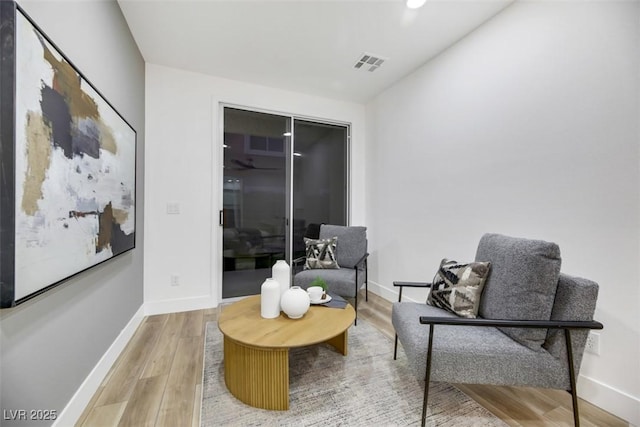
(286, 134)
(415, 4)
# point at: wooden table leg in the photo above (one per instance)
(257, 376)
(339, 342)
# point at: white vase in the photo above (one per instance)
(282, 273)
(270, 299)
(295, 302)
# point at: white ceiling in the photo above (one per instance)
(307, 46)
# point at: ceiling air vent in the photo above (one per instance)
(369, 62)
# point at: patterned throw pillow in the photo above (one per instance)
(457, 287)
(321, 253)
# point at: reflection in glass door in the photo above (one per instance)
(255, 200)
(320, 178)
(275, 176)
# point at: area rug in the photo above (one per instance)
(365, 388)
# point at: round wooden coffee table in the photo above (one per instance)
(256, 350)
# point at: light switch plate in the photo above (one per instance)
(173, 208)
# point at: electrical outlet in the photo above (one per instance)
(173, 208)
(593, 343)
(175, 280)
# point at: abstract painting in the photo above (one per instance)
(68, 166)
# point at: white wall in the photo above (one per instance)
(51, 344)
(527, 127)
(184, 166)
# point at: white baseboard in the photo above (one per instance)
(382, 291)
(391, 294)
(72, 412)
(177, 305)
(595, 392)
(611, 400)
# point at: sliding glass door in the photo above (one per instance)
(255, 198)
(280, 175)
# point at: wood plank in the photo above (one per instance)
(160, 359)
(558, 417)
(130, 364)
(498, 401)
(90, 406)
(193, 324)
(156, 318)
(142, 406)
(105, 416)
(176, 408)
(598, 416)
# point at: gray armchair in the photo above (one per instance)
(531, 328)
(351, 255)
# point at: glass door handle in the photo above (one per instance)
(221, 217)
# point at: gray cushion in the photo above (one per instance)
(471, 354)
(521, 285)
(352, 242)
(340, 281)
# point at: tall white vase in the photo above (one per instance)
(282, 273)
(270, 299)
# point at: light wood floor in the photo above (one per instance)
(157, 380)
